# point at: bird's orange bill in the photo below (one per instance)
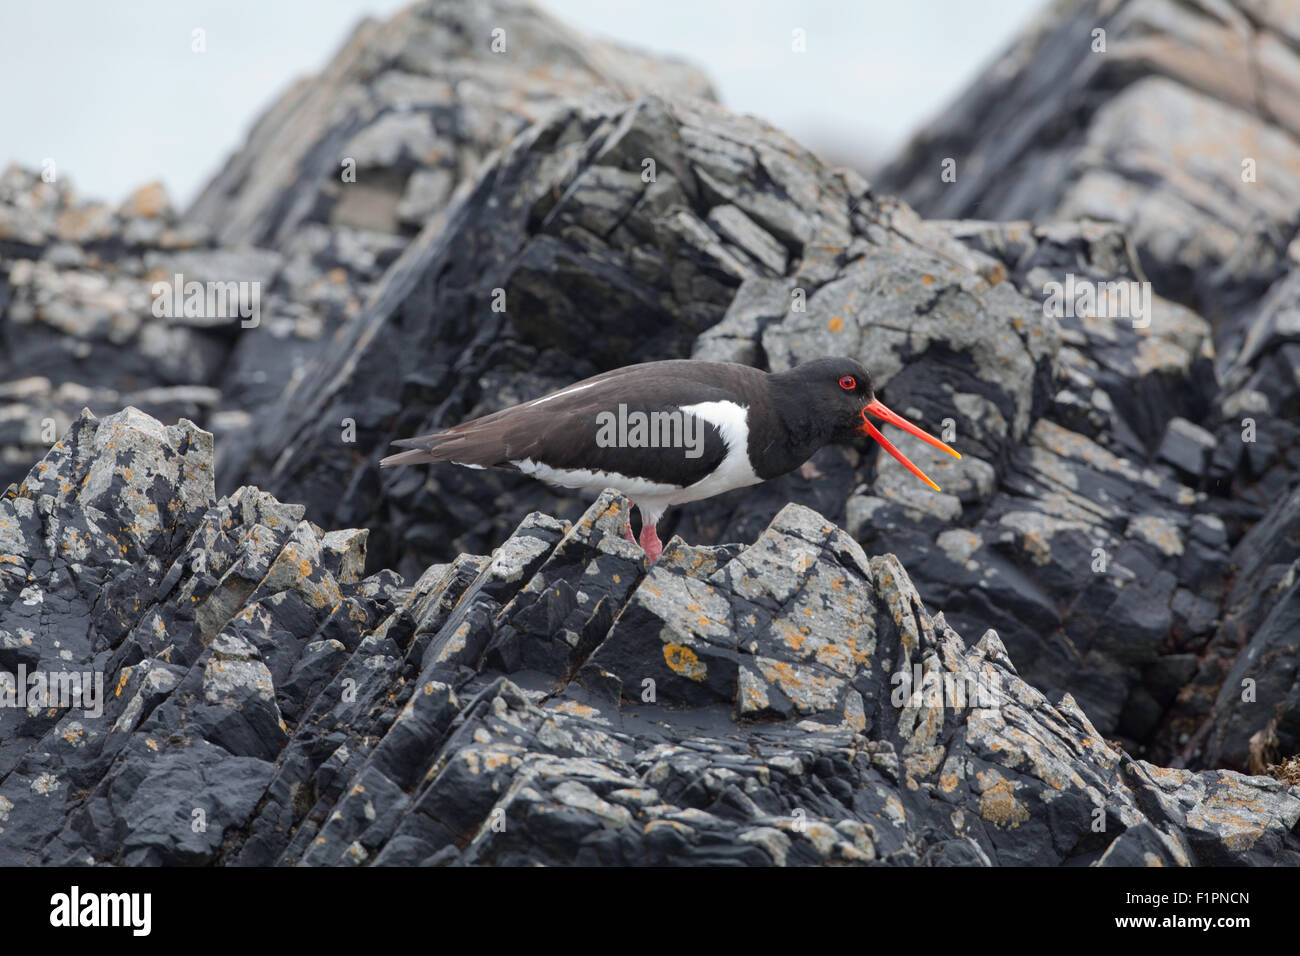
(883, 413)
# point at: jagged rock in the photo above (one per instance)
(789, 702)
(661, 276)
(1156, 139)
(476, 648)
(413, 104)
(1067, 527)
(1195, 169)
(1198, 168)
(344, 169)
(76, 314)
(1239, 708)
(416, 103)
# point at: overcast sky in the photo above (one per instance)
(113, 93)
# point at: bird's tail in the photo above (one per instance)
(471, 445)
(417, 457)
(422, 451)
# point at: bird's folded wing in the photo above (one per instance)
(620, 431)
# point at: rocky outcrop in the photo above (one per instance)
(345, 168)
(1244, 699)
(1182, 130)
(497, 306)
(78, 326)
(1175, 118)
(552, 702)
(408, 109)
(1097, 561)
(1122, 526)
(335, 178)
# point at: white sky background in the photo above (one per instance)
(112, 92)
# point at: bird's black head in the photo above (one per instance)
(834, 391)
(834, 397)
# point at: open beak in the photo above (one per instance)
(884, 414)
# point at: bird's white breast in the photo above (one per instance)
(734, 471)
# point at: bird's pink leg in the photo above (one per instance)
(650, 542)
(627, 530)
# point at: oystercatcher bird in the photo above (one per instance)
(665, 433)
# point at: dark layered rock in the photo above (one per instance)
(553, 702)
(1177, 123)
(346, 167)
(413, 105)
(76, 320)
(409, 108)
(1148, 123)
(1240, 707)
(1122, 524)
(564, 261)
(1061, 526)
(1094, 558)
(1182, 131)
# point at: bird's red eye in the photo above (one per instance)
(848, 383)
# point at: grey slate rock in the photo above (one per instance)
(1187, 446)
(1118, 554)
(750, 705)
